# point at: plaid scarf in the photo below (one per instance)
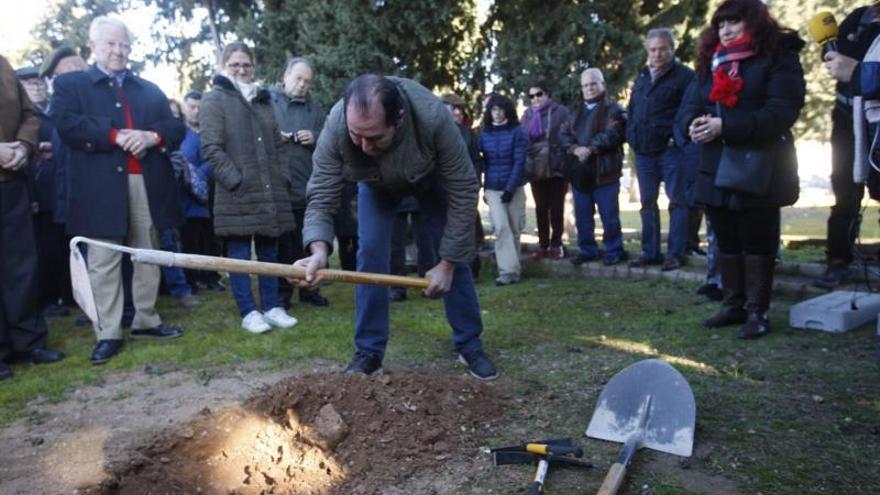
(726, 83)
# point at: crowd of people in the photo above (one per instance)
(252, 170)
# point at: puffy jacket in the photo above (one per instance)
(606, 160)
(652, 107)
(769, 104)
(240, 141)
(504, 157)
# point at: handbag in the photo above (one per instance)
(538, 156)
(744, 169)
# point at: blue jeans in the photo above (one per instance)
(174, 277)
(585, 203)
(239, 247)
(376, 214)
(651, 170)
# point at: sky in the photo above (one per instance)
(15, 34)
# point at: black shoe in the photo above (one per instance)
(642, 262)
(727, 315)
(711, 291)
(5, 372)
(478, 365)
(365, 363)
(55, 311)
(43, 356)
(314, 298)
(106, 349)
(580, 259)
(671, 263)
(615, 259)
(835, 275)
(756, 326)
(397, 294)
(159, 333)
(189, 302)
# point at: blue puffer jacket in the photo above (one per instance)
(504, 157)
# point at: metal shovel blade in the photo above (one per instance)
(671, 416)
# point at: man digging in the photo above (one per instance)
(395, 138)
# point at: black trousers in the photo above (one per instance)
(53, 255)
(844, 221)
(290, 249)
(751, 231)
(549, 198)
(197, 237)
(22, 327)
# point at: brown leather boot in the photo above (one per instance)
(733, 287)
(759, 286)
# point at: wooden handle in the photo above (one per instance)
(613, 480)
(218, 264)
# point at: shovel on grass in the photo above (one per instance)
(647, 404)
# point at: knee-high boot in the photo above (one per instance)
(759, 286)
(733, 288)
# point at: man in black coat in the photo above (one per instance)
(656, 96)
(120, 130)
(854, 37)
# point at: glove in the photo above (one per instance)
(506, 196)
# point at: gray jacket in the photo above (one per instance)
(292, 116)
(240, 141)
(427, 146)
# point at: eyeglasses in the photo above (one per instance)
(539, 94)
(236, 66)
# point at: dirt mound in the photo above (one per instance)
(317, 434)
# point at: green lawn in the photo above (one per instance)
(796, 412)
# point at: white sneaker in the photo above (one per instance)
(277, 317)
(253, 322)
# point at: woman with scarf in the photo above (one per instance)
(541, 123)
(503, 145)
(751, 90)
(241, 142)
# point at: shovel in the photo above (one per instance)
(647, 404)
(84, 296)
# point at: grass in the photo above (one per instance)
(796, 412)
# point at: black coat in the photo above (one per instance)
(652, 107)
(769, 104)
(606, 160)
(86, 106)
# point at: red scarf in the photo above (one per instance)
(726, 82)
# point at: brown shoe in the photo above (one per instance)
(726, 316)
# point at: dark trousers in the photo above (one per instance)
(406, 223)
(22, 328)
(53, 254)
(549, 198)
(752, 231)
(290, 249)
(348, 249)
(197, 237)
(845, 220)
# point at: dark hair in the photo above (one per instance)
(366, 88)
(176, 104)
(763, 28)
(505, 104)
(237, 46)
(542, 84)
(193, 95)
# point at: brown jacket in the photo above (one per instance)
(18, 121)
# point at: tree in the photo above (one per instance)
(427, 40)
(555, 40)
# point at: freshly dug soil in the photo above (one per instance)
(318, 434)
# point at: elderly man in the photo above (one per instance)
(119, 128)
(22, 329)
(656, 96)
(594, 138)
(300, 120)
(395, 138)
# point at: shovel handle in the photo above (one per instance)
(613, 479)
(549, 449)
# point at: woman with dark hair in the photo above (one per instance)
(542, 122)
(750, 93)
(503, 145)
(241, 142)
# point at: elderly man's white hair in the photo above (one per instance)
(100, 22)
(597, 72)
